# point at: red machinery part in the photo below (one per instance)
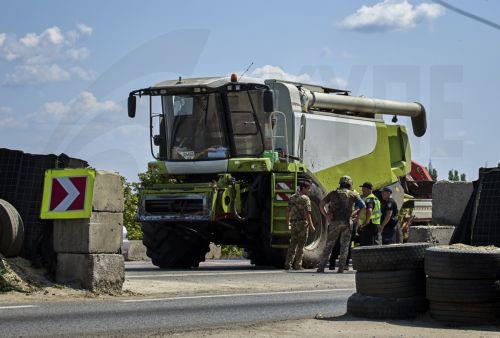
(419, 172)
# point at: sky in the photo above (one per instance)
(66, 67)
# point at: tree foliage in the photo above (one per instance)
(131, 194)
(454, 176)
(433, 172)
(130, 210)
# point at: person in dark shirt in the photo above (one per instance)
(389, 216)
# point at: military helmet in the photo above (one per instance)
(345, 181)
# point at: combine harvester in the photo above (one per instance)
(230, 153)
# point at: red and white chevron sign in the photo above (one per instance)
(68, 193)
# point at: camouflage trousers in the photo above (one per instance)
(298, 238)
(336, 230)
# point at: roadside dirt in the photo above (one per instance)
(343, 326)
(19, 281)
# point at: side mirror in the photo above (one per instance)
(268, 101)
(131, 105)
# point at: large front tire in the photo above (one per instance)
(316, 240)
(173, 249)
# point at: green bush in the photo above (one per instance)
(130, 210)
(231, 251)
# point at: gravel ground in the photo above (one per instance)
(344, 326)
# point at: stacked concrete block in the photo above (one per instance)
(87, 249)
(449, 200)
(434, 234)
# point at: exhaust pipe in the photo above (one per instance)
(369, 105)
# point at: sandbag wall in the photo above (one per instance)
(21, 184)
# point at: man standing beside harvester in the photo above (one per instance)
(340, 203)
(298, 217)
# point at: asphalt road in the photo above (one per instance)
(139, 315)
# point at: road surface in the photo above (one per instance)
(185, 311)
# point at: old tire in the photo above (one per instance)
(170, 249)
(453, 263)
(391, 284)
(408, 256)
(463, 290)
(360, 305)
(316, 240)
(465, 313)
(11, 230)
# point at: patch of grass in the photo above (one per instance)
(58, 286)
(231, 251)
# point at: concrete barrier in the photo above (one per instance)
(99, 234)
(449, 200)
(94, 272)
(439, 235)
(108, 192)
(87, 248)
(214, 253)
(136, 251)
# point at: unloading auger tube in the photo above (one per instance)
(360, 104)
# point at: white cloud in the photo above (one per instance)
(9, 121)
(37, 74)
(49, 56)
(84, 74)
(338, 82)
(85, 104)
(77, 53)
(4, 109)
(30, 40)
(84, 29)
(275, 72)
(391, 15)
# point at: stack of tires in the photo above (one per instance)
(463, 284)
(390, 281)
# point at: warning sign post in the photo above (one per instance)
(67, 193)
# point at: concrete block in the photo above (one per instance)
(94, 272)
(108, 192)
(449, 200)
(214, 253)
(102, 233)
(136, 251)
(439, 235)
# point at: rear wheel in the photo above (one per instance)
(173, 249)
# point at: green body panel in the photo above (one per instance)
(249, 165)
(389, 160)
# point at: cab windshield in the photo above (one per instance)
(196, 127)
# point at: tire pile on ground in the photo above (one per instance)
(463, 284)
(390, 281)
(11, 230)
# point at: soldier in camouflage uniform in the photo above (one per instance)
(340, 205)
(298, 218)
